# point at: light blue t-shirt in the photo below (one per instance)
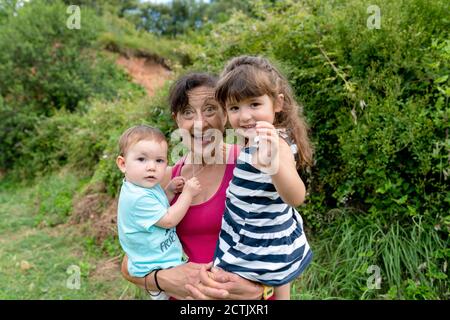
(147, 246)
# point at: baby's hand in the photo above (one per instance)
(176, 184)
(192, 186)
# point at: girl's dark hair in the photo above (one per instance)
(178, 94)
(248, 77)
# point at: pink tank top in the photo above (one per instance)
(199, 230)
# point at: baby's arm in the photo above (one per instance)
(177, 211)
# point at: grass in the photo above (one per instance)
(36, 257)
(353, 252)
(34, 261)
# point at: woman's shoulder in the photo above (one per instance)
(175, 170)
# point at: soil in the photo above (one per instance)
(146, 72)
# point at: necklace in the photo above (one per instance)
(194, 174)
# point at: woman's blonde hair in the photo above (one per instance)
(247, 77)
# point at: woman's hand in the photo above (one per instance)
(172, 281)
(219, 284)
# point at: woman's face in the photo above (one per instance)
(202, 121)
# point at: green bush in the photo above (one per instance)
(122, 37)
(154, 111)
(45, 67)
(376, 99)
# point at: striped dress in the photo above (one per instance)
(262, 237)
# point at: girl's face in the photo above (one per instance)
(243, 115)
(202, 121)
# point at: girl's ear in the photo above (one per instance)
(279, 102)
(120, 161)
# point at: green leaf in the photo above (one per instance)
(441, 79)
(402, 200)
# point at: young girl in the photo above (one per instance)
(262, 236)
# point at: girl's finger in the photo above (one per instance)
(208, 279)
(219, 275)
(262, 132)
(264, 124)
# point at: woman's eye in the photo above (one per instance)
(187, 113)
(210, 110)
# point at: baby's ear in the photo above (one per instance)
(279, 102)
(120, 161)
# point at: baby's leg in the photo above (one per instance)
(283, 292)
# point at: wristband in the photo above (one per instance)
(156, 280)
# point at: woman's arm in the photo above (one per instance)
(172, 281)
(219, 284)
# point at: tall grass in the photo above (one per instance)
(411, 260)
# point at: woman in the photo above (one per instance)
(212, 161)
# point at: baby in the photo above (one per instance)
(146, 222)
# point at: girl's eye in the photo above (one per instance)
(160, 161)
(141, 159)
(254, 104)
(233, 108)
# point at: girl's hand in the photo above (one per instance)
(266, 158)
(219, 284)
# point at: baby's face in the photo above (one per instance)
(145, 163)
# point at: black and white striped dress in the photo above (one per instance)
(262, 237)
